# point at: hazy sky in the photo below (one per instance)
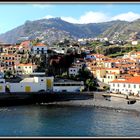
(15, 14)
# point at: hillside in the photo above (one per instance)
(56, 29)
(123, 30)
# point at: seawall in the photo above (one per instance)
(8, 99)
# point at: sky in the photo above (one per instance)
(15, 14)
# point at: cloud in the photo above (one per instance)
(88, 17)
(97, 17)
(42, 6)
(70, 19)
(48, 16)
(93, 17)
(130, 16)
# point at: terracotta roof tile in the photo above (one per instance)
(133, 80)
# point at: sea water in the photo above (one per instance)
(66, 121)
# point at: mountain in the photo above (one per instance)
(123, 30)
(53, 29)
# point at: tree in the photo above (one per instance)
(90, 84)
(88, 78)
(85, 74)
(8, 74)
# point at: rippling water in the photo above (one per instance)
(35, 120)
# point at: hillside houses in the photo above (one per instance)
(13, 56)
(107, 69)
(25, 59)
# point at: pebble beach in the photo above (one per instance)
(118, 104)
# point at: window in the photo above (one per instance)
(113, 85)
(134, 86)
(108, 77)
(118, 85)
(124, 85)
(42, 80)
(128, 85)
(26, 67)
(19, 67)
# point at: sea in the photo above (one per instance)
(67, 121)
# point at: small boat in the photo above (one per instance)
(107, 97)
(131, 101)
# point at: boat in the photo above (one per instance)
(131, 101)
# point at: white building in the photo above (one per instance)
(73, 71)
(36, 84)
(109, 64)
(126, 86)
(39, 48)
(32, 84)
(68, 86)
(134, 42)
(28, 68)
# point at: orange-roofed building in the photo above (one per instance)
(106, 75)
(126, 86)
(25, 46)
(26, 43)
(10, 49)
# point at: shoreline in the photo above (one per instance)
(97, 100)
(118, 105)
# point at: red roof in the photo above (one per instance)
(135, 80)
(25, 43)
(40, 45)
(28, 64)
(112, 69)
